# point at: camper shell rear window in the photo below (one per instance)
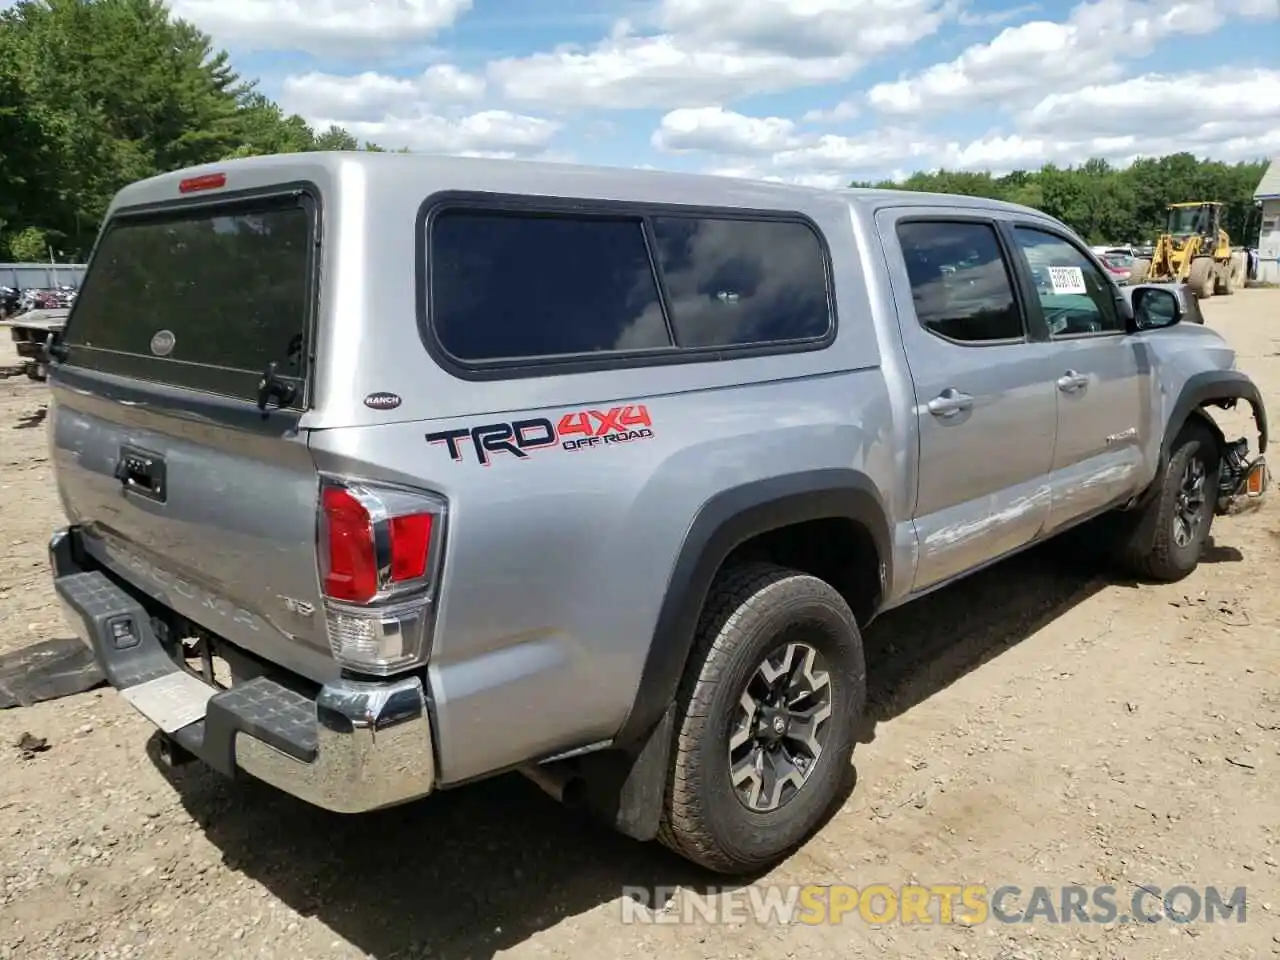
(203, 296)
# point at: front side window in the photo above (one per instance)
(1075, 296)
(960, 283)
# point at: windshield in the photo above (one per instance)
(1118, 260)
(1186, 220)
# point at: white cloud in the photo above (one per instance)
(806, 28)
(1030, 59)
(320, 26)
(1235, 116)
(716, 130)
(369, 96)
(772, 148)
(844, 110)
(715, 51)
(993, 18)
(893, 154)
(421, 112)
(659, 72)
(1225, 103)
(490, 133)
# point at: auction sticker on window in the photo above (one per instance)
(1067, 280)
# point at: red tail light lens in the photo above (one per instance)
(380, 552)
(351, 573)
(410, 545)
(372, 543)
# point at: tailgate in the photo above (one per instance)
(185, 486)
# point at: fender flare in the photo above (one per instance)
(724, 522)
(1207, 387)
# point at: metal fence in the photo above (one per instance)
(40, 276)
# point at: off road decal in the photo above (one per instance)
(579, 430)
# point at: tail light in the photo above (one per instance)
(379, 551)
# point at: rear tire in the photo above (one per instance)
(1240, 269)
(1165, 539)
(743, 792)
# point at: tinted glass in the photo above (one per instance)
(959, 281)
(231, 287)
(506, 286)
(733, 282)
(1073, 292)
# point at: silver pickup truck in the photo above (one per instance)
(387, 473)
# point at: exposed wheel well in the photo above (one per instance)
(838, 550)
(1201, 415)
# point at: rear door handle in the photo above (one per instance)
(950, 402)
(1071, 381)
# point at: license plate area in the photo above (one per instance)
(171, 702)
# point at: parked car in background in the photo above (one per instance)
(33, 331)
(1119, 265)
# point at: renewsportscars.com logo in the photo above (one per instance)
(578, 430)
(933, 904)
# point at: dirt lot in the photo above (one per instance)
(1038, 725)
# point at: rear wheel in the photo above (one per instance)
(765, 727)
(1164, 540)
(1223, 281)
(1240, 269)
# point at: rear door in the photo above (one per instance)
(185, 486)
(984, 396)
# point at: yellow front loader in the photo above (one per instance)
(1195, 250)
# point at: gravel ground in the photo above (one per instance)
(1038, 724)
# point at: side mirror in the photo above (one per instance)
(1155, 308)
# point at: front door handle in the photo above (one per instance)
(950, 402)
(1071, 381)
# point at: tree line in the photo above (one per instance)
(1106, 204)
(95, 94)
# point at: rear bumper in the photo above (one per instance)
(357, 746)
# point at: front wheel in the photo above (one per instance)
(765, 728)
(1165, 539)
(1201, 277)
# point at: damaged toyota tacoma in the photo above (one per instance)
(385, 474)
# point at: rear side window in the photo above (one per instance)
(515, 286)
(510, 286)
(960, 283)
(204, 298)
(739, 282)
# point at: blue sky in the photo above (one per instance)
(812, 91)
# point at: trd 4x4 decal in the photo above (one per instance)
(579, 430)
